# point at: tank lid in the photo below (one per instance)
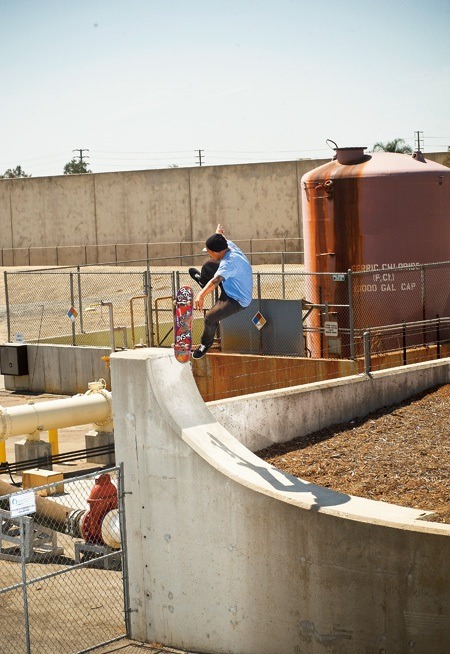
(352, 155)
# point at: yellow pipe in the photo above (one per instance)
(2, 452)
(53, 440)
(95, 406)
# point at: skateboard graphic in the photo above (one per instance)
(184, 304)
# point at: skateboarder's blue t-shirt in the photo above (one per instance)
(236, 271)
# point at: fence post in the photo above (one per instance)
(72, 304)
(283, 270)
(351, 314)
(422, 283)
(149, 315)
(258, 287)
(24, 583)
(438, 338)
(367, 354)
(8, 313)
(80, 300)
(123, 538)
(404, 343)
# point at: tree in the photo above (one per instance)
(397, 145)
(13, 173)
(76, 167)
(446, 160)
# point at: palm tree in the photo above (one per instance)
(397, 145)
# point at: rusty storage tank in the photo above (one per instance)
(380, 215)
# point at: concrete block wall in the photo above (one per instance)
(228, 555)
(97, 211)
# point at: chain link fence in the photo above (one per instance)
(63, 566)
(171, 253)
(133, 306)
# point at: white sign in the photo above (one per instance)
(339, 277)
(19, 337)
(22, 504)
(331, 328)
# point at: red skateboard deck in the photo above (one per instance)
(184, 305)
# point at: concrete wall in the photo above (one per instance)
(227, 554)
(61, 369)
(79, 212)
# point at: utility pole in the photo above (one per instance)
(419, 141)
(199, 157)
(81, 150)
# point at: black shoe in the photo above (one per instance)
(195, 274)
(200, 352)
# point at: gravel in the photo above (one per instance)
(400, 454)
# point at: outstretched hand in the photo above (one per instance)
(199, 301)
(220, 229)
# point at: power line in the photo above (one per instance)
(143, 152)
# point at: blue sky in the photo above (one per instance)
(147, 83)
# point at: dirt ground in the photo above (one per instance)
(399, 454)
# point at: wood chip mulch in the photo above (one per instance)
(399, 454)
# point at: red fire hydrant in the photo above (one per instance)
(102, 499)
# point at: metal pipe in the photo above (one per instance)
(87, 524)
(367, 362)
(72, 304)
(136, 297)
(52, 512)
(351, 317)
(95, 406)
(8, 314)
(111, 324)
(404, 344)
(80, 300)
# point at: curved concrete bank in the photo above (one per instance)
(227, 554)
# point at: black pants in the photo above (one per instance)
(224, 307)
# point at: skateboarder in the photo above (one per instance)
(231, 270)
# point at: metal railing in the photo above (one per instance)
(407, 342)
(122, 253)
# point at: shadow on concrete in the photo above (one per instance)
(324, 496)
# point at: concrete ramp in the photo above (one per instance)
(228, 554)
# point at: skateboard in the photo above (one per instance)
(184, 304)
